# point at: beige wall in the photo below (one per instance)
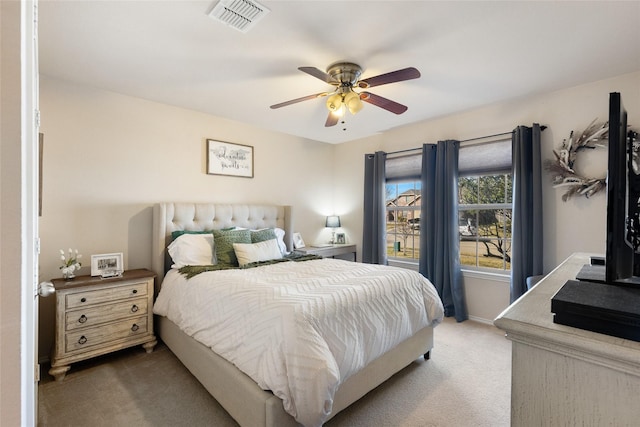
(108, 158)
(10, 215)
(577, 225)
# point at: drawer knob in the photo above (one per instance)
(82, 319)
(135, 291)
(134, 308)
(135, 327)
(83, 300)
(82, 340)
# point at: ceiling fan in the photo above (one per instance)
(345, 76)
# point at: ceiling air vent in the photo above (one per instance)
(239, 14)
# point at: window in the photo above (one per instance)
(485, 212)
(403, 202)
(484, 204)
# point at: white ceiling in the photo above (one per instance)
(469, 53)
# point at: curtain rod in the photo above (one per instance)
(488, 136)
(465, 140)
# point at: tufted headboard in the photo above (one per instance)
(169, 217)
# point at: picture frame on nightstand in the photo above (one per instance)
(107, 265)
(341, 239)
(297, 241)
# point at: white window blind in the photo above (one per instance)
(405, 167)
(484, 158)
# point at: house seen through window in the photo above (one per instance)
(485, 188)
(403, 201)
(484, 221)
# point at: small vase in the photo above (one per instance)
(68, 272)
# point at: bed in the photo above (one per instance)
(241, 396)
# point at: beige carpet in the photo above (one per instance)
(466, 383)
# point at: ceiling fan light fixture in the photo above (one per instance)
(334, 102)
(353, 102)
(345, 76)
(341, 111)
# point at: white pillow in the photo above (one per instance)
(280, 235)
(192, 249)
(254, 252)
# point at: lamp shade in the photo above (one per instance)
(333, 221)
(353, 103)
(334, 102)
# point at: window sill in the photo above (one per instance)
(476, 274)
(411, 265)
(487, 275)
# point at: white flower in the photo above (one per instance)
(70, 263)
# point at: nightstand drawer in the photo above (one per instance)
(90, 337)
(92, 316)
(82, 299)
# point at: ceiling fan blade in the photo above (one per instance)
(382, 102)
(319, 74)
(295, 101)
(392, 77)
(332, 120)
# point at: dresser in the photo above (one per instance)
(565, 376)
(95, 316)
(330, 251)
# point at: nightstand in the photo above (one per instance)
(330, 251)
(95, 316)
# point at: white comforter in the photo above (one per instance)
(301, 328)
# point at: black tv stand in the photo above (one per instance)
(599, 307)
(592, 273)
(593, 304)
(596, 272)
(632, 282)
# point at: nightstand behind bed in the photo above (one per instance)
(330, 251)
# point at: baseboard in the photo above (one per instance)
(481, 320)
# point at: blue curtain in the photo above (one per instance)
(526, 246)
(374, 250)
(439, 244)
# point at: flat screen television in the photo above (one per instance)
(623, 198)
(606, 296)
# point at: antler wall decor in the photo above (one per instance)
(564, 175)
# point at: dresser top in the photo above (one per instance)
(530, 320)
(87, 280)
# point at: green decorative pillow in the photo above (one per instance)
(224, 240)
(262, 235)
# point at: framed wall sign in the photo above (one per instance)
(107, 265)
(226, 158)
